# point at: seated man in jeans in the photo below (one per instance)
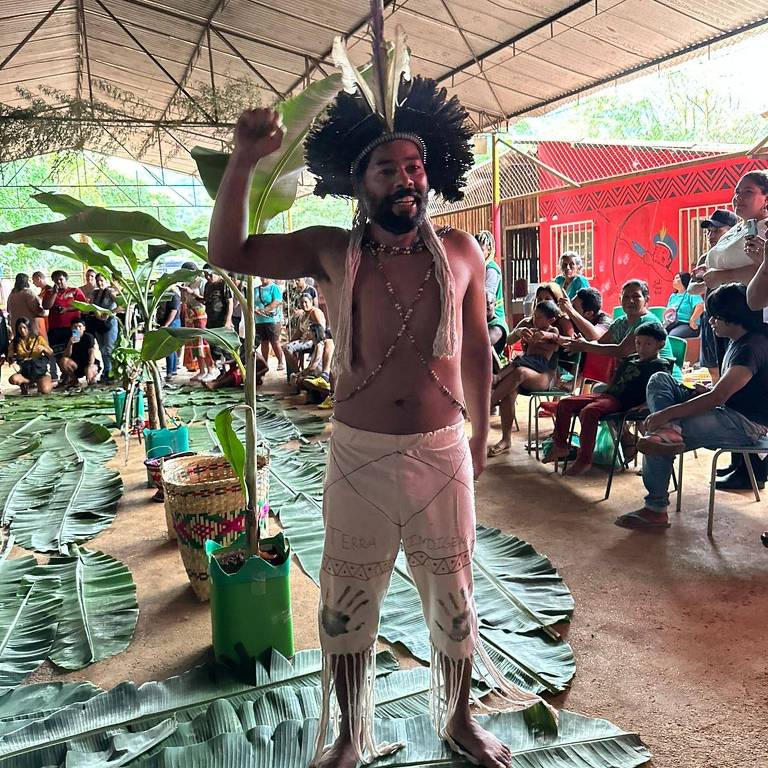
(733, 413)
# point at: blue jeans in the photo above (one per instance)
(721, 427)
(106, 341)
(172, 361)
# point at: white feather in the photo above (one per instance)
(399, 66)
(350, 78)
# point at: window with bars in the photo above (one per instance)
(575, 236)
(693, 239)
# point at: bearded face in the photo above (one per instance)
(395, 188)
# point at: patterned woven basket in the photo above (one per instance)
(204, 501)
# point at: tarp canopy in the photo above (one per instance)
(175, 67)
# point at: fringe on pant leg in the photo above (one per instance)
(447, 674)
(359, 673)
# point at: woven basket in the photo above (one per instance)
(204, 502)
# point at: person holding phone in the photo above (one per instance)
(58, 301)
(79, 358)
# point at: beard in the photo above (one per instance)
(383, 214)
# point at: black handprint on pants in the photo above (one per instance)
(459, 617)
(335, 620)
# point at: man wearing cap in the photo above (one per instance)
(712, 347)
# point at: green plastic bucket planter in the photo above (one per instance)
(251, 609)
(118, 403)
(164, 442)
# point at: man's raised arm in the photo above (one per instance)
(258, 133)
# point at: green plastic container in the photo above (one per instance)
(164, 442)
(251, 609)
(118, 402)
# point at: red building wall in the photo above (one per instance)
(640, 227)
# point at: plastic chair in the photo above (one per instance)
(759, 447)
(679, 347)
(535, 399)
(658, 311)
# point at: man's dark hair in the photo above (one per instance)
(77, 321)
(549, 308)
(641, 284)
(590, 298)
(57, 273)
(729, 303)
(189, 265)
(654, 330)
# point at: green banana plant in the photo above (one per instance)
(112, 235)
(273, 191)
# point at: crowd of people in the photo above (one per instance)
(722, 301)
(49, 341)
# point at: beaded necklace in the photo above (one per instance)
(404, 330)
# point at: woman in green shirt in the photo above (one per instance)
(571, 280)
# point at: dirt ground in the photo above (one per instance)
(669, 631)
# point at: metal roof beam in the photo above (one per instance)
(247, 63)
(31, 34)
(200, 22)
(540, 164)
(84, 40)
(191, 61)
(327, 52)
(152, 58)
(637, 69)
(515, 39)
(474, 56)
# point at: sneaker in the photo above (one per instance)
(666, 441)
(318, 382)
(327, 404)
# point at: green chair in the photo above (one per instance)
(679, 347)
(658, 311)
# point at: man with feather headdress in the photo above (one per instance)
(408, 308)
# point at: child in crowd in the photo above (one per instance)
(625, 391)
(534, 370)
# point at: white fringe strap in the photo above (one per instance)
(342, 333)
(358, 671)
(444, 344)
(447, 675)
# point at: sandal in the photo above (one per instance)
(643, 519)
(497, 450)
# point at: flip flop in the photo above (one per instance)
(636, 521)
(497, 450)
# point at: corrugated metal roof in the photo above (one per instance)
(531, 167)
(502, 58)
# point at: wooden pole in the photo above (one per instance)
(495, 203)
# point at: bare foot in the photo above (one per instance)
(480, 745)
(558, 452)
(496, 450)
(577, 468)
(341, 754)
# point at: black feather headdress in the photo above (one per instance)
(341, 138)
